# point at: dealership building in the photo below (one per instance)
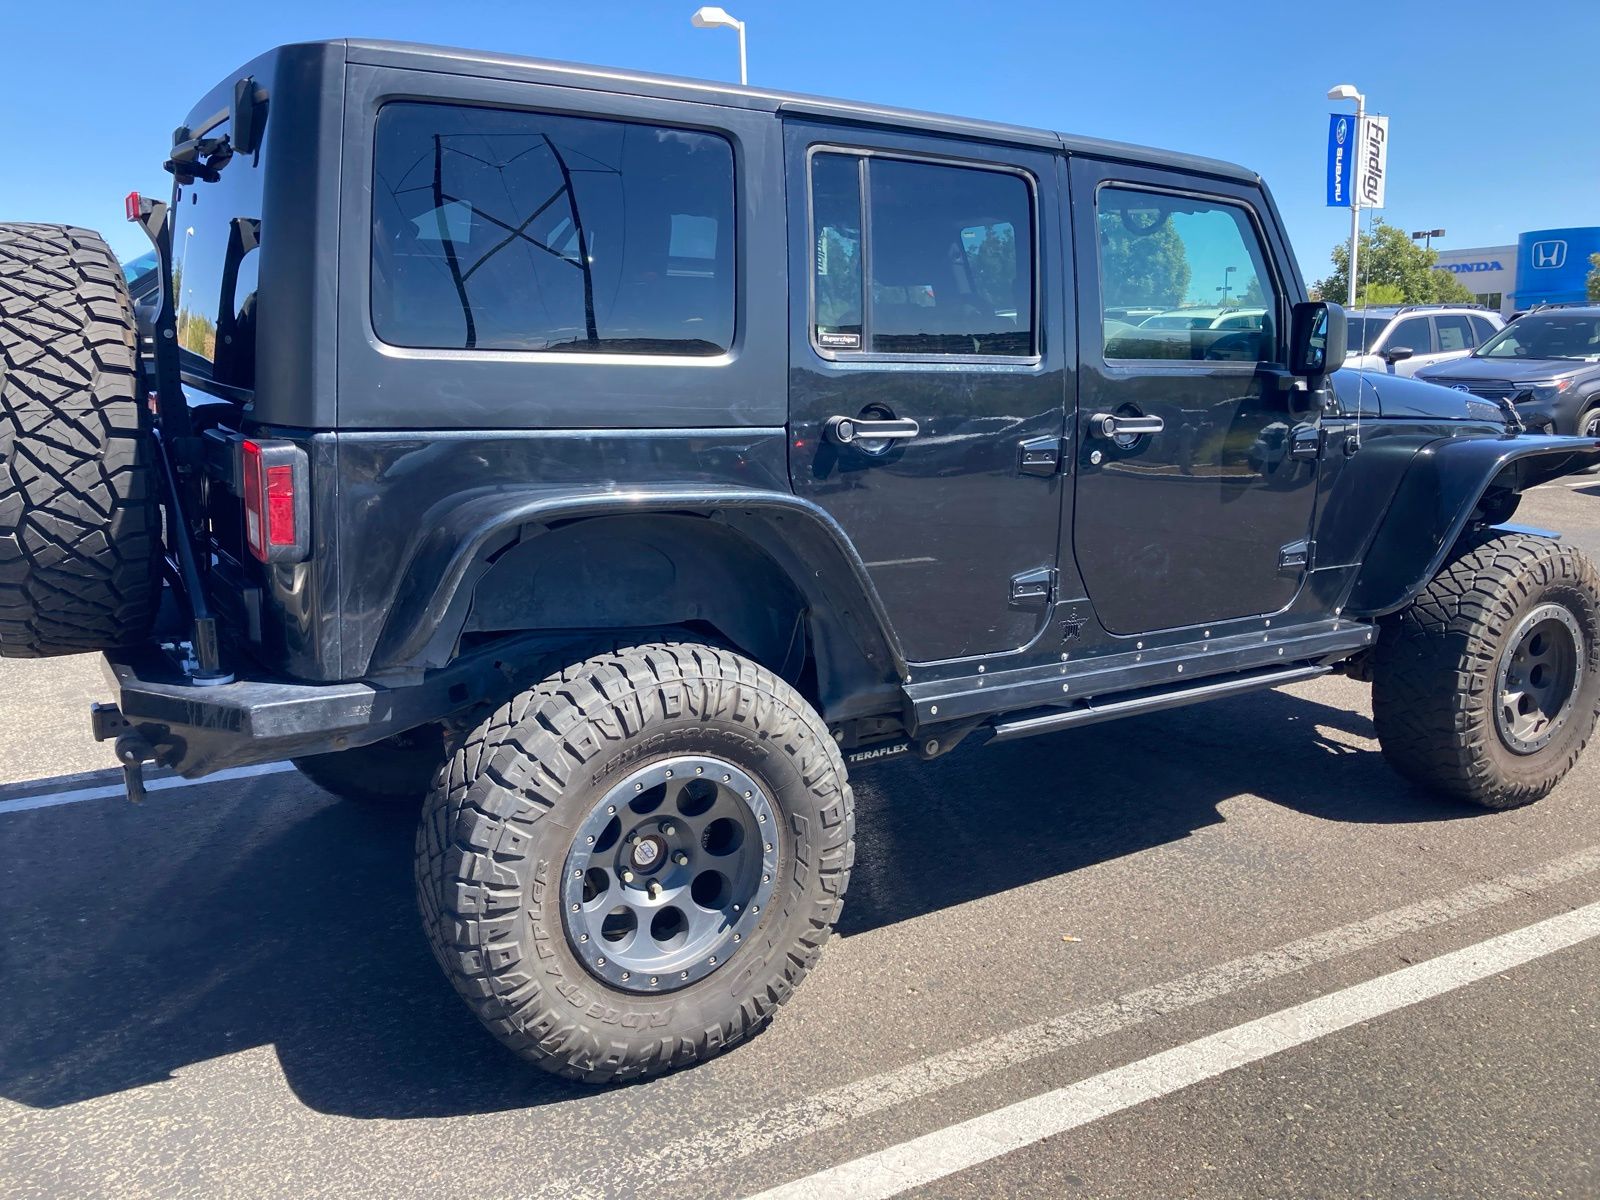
(1546, 266)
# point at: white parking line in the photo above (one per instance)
(838, 1107)
(116, 790)
(956, 1148)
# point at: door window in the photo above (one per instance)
(942, 265)
(1414, 333)
(1455, 334)
(1183, 278)
(1484, 327)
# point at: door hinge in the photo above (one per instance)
(1306, 442)
(1033, 589)
(1297, 556)
(1040, 456)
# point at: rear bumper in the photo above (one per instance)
(199, 729)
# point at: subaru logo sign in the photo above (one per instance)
(1460, 387)
(1342, 132)
(1549, 256)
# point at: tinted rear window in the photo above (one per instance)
(503, 230)
(216, 232)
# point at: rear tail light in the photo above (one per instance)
(272, 483)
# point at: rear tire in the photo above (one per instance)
(397, 770)
(1458, 708)
(80, 543)
(521, 822)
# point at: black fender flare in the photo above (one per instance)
(803, 539)
(1435, 501)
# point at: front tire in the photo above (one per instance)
(1487, 686)
(524, 847)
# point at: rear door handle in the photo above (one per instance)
(1110, 425)
(845, 430)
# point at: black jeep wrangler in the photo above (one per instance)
(613, 459)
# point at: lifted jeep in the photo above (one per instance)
(612, 459)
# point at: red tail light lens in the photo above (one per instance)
(271, 494)
(131, 205)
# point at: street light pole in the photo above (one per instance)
(1347, 91)
(1226, 285)
(712, 17)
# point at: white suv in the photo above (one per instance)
(1399, 340)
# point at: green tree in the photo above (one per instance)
(1394, 267)
(1146, 268)
(1594, 278)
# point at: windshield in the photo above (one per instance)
(1364, 331)
(1548, 335)
(136, 269)
(216, 229)
(1176, 322)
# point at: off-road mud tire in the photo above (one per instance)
(497, 828)
(79, 517)
(397, 770)
(1434, 671)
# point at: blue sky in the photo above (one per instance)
(1493, 105)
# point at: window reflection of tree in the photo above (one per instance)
(442, 198)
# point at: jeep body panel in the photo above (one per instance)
(1442, 485)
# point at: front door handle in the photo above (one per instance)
(846, 430)
(1110, 425)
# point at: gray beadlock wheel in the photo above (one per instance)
(627, 868)
(80, 543)
(1487, 686)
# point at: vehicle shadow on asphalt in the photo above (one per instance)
(137, 942)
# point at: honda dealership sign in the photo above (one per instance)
(1357, 160)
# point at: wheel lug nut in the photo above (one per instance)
(655, 890)
(669, 829)
(681, 859)
(627, 877)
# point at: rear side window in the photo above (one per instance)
(1455, 334)
(921, 259)
(1414, 333)
(1198, 263)
(504, 230)
(1484, 327)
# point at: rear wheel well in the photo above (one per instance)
(654, 572)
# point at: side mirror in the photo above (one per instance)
(1395, 353)
(1318, 338)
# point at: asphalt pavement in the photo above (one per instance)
(1216, 952)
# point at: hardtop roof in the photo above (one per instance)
(483, 63)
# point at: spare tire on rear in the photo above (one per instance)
(80, 538)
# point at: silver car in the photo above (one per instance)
(1399, 340)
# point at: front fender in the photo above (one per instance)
(1435, 501)
(802, 538)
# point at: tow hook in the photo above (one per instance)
(132, 748)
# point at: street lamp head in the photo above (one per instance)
(712, 17)
(1344, 91)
